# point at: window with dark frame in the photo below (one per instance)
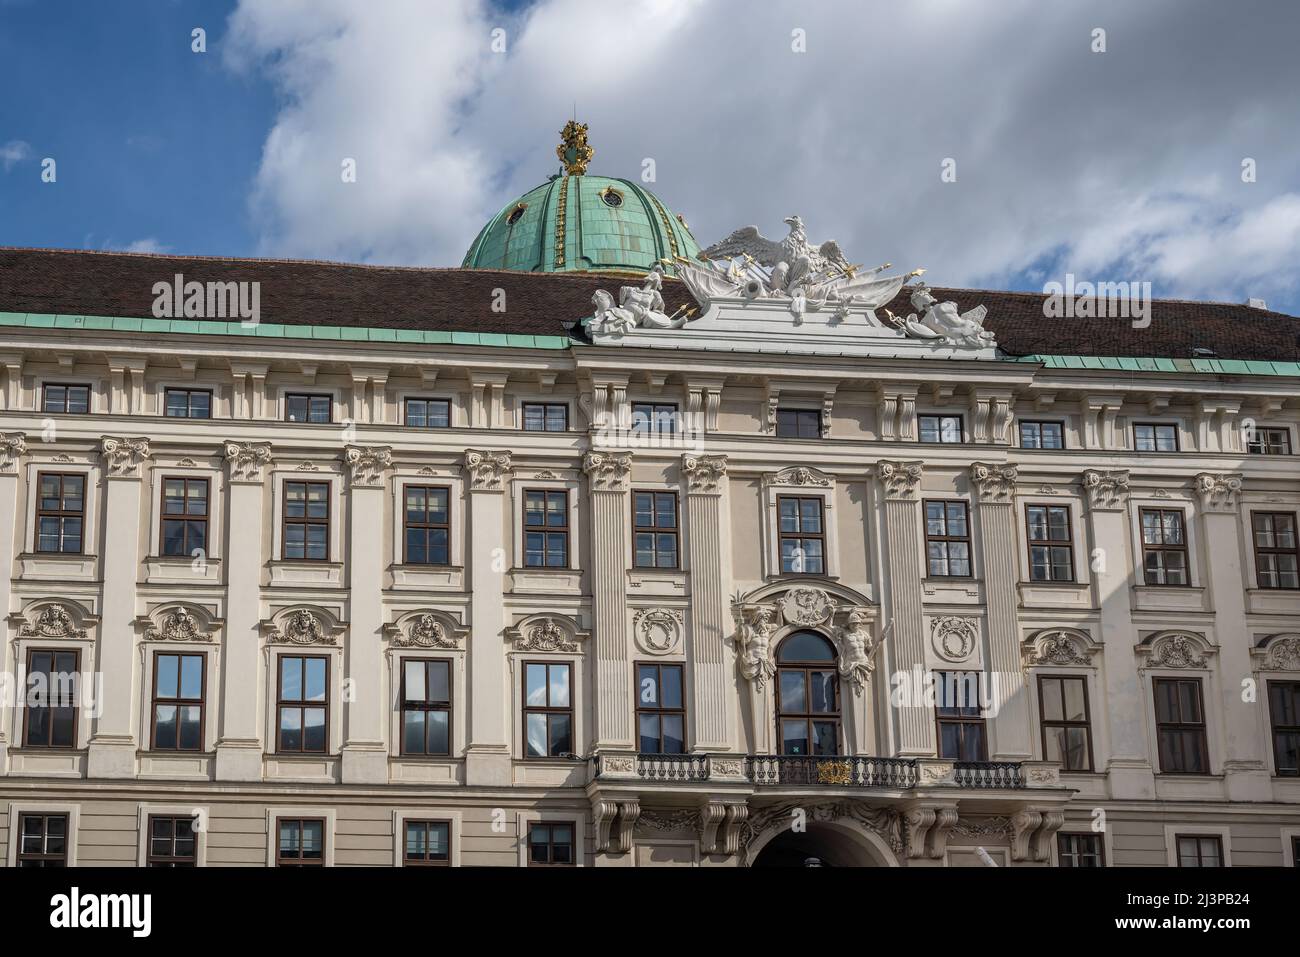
(172, 842)
(1284, 718)
(1164, 547)
(52, 697)
(1042, 435)
(178, 686)
(654, 530)
(42, 840)
(426, 524)
(654, 417)
(1295, 851)
(947, 539)
(801, 534)
(550, 844)
(1154, 437)
(548, 709)
(184, 516)
(306, 407)
(1199, 850)
(660, 708)
(1066, 725)
(65, 399)
(426, 706)
(1270, 441)
(301, 842)
(1277, 551)
(188, 403)
(546, 417)
(808, 695)
(546, 528)
(1051, 546)
(427, 844)
(944, 429)
(306, 534)
(427, 413)
(1180, 726)
(798, 424)
(302, 705)
(61, 512)
(960, 717)
(1080, 850)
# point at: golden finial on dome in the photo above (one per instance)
(573, 151)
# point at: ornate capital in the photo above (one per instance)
(13, 445)
(366, 466)
(122, 457)
(1218, 492)
(608, 471)
(1107, 491)
(245, 460)
(704, 473)
(996, 484)
(901, 480)
(487, 469)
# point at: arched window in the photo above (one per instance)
(808, 695)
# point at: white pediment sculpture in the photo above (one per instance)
(788, 296)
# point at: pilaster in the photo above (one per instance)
(13, 446)
(712, 681)
(608, 474)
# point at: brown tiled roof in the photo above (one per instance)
(297, 292)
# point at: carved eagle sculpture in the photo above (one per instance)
(793, 260)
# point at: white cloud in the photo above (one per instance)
(147, 245)
(13, 152)
(1116, 165)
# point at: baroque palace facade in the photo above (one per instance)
(747, 567)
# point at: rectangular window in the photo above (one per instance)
(71, 399)
(947, 539)
(172, 842)
(52, 698)
(426, 706)
(301, 842)
(654, 532)
(1149, 437)
(548, 710)
(427, 413)
(43, 840)
(1180, 726)
(801, 534)
(1063, 709)
(654, 417)
(660, 709)
(306, 521)
(185, 516)
(546, 417)
(178, 702)
(1042, 435)
(960, 717)
(1164, 547)
(427, 525)
(188, 403)
(300, 407)
(941, 428)
(550, 844)
(546, 528)
(60, 512)
(1284, 713)
(1277, 553)
(428, 844)
(1051, 549)
(798, 424)
(1270, 441)
(1199, 850)
(1079, 850)
(302, 700)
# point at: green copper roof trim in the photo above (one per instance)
(1193, 366)
(273, 330)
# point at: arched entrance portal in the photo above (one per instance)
(822, 845)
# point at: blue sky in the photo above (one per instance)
(1121, 164)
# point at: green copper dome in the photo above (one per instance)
(579, 223)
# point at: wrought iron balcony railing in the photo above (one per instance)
(673, 767)
(863, 772)
(988, 774)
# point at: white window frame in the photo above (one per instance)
(401, 815)
(211, 692)
(339, 412)
(1078, 546)
(456, 418)
(771, 528)
(274, 813)
(630, 556)
(577, 818)
(573, 487)
(337, 518)
(522, 399)
(459, 710)
(334, 700)
(220, 403)
(200, 812)
(1183, 435)
(87, 664)
(456, 508)
(1190, 531)
(90, 520)
(99, 388)
(18, 808)
(1210, 704)
(577, 682)
(216, 505)
(1191, 829)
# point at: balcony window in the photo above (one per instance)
(808, 695)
